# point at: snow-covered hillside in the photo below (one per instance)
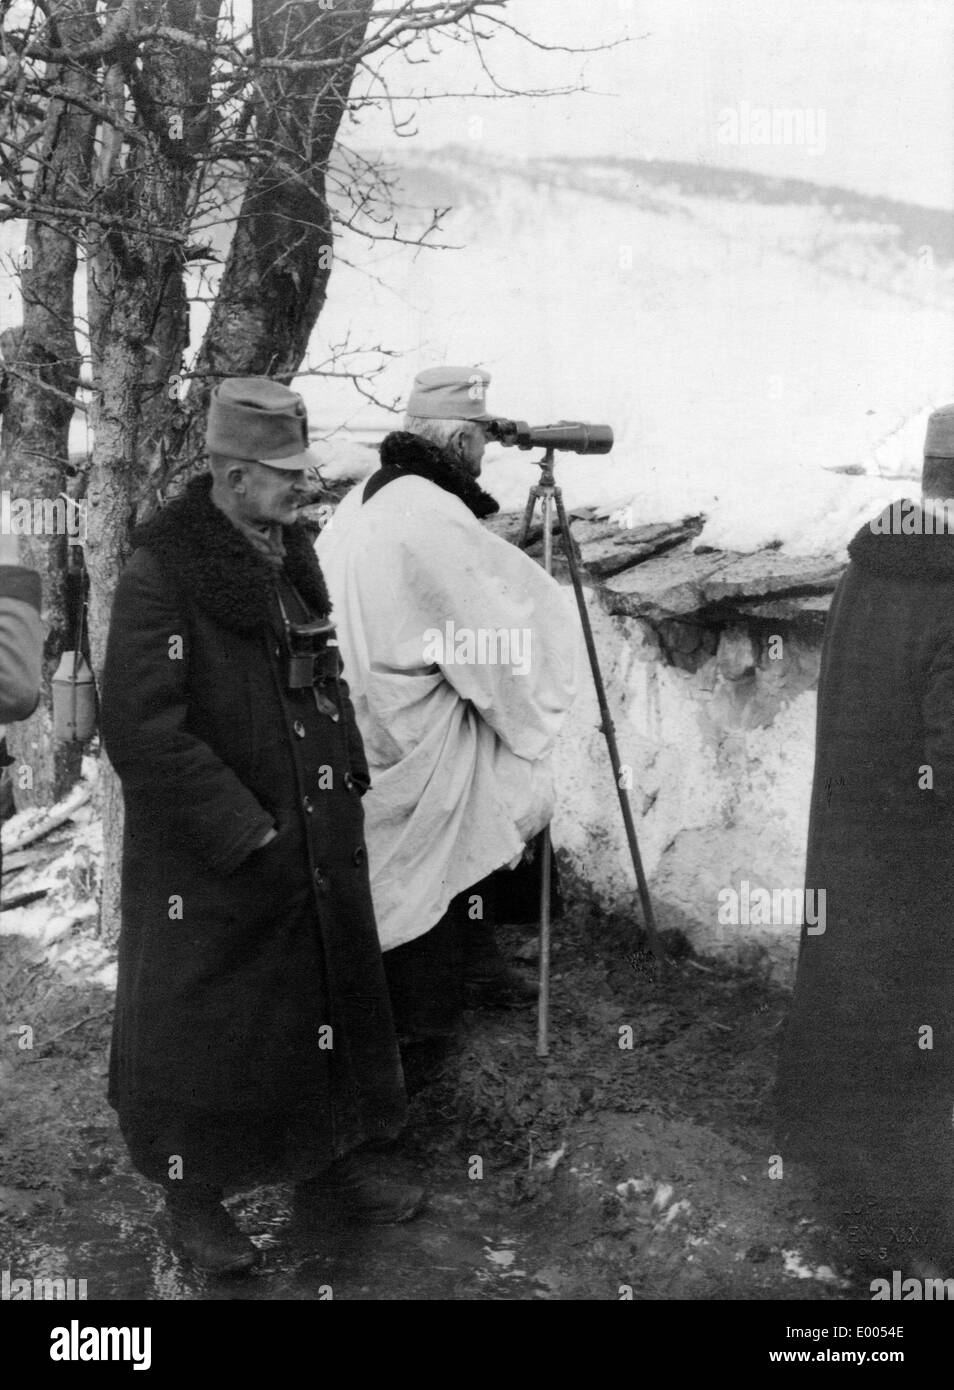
(744, 337)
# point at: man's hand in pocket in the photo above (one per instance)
(280, 858)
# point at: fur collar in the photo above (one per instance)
(403, 453)
(906, 542)
(218, 570)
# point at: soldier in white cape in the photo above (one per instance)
(462, 658)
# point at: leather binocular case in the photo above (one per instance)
(312, 654)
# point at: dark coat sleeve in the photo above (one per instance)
(21, 642)
(145, 727)
(357, 761)
(938, 711)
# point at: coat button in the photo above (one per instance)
(358, 856)
(321, 881)
(299, 728)
(348, 781)
(308, 804)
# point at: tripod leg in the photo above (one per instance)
(610, 734)
(543, 1010)
(527, 519)
(543, 1007)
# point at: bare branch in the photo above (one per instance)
(53, 216)
(37, 383)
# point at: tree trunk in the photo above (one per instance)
(275, 279)
(42, 363)
(138, 331)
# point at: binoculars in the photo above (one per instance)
(574, 436)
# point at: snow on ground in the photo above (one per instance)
(62, 925)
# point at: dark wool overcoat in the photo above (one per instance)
(866, 1079)
(234, 963)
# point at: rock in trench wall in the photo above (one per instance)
(716, 734)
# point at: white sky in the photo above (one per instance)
(881, 72)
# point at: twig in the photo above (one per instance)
(32, 856)
(103, 1013)
(56, 818)
(22, 899)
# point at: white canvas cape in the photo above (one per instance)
(458, 741)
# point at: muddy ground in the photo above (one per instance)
(601, 1172)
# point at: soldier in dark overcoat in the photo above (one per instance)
(866, 1078)
(253, 1034)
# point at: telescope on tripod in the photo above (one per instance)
(577, 437)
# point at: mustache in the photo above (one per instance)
(316, 502)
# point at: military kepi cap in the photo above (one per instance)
(255, 418)
(450, 393)
(939, 439)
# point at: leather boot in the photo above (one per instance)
(204, 1233)
(488, 980)
(356, 1183)
(423, 1057)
